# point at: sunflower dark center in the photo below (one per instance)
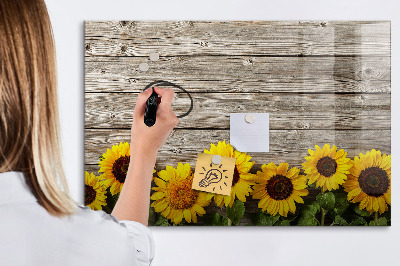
(326, 166)
(279, 187)
(180, 194)
(236, 176)
(120, 168)
(374, 181)
(90, 194)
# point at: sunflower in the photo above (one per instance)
(278, 189)
(369, 181)
(95, 192)
(242, 180)
(174, 197)
(327, 167)
(115, 163)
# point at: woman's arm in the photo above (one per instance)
(134, 200)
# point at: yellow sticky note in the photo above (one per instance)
(214, 175)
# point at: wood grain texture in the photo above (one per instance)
(211, 110)
(290, 146)
(177, 38)
(242, 74)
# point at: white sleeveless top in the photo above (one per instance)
(29, 235)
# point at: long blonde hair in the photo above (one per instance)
(29, 119)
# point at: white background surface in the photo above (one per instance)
(244, 245)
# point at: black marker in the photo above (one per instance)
(152, 102)
(151, 109)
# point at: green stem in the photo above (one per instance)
(229, 222)
(376, 216)
(323, 212)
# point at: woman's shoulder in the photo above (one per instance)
(98, 223)
(82, 235)
(138, 236)
(88, 216)
(85, 213)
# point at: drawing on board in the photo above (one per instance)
(299, 109)
(214, 173)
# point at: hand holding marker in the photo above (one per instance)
(153, 117)
(151, 109)
(153, 101)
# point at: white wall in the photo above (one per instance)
(244, 245)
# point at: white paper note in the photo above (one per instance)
(249, 137)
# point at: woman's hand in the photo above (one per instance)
(134, 201)
(151, 139)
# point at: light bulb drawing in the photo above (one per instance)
(213, 176)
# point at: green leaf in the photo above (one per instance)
(307, 221)
(111, 200)
(362, 212)
(313, 185)
(310, 210)
(162, 221)
(259, 218)
(341, 203)
(387, 215)
(339, 220)
(236, 212)
(380, 222)
(215, 219)
(152, 216)
(291, 217)
(307, 214)
(316, 206)
(357, 220)
(282, 223)
(326, 200)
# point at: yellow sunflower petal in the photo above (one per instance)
(263, 203)
(165, 175)
(382, 205)
(281, 208)
(285, 207)
(187, 215)
(292, 206)
(354, 193)
(325, 149)
(293, 172)
(157, 195)
(159, 182)
(194, 216)
(375, 205)
(282, 169)
(387, 198)
(297, 198)
(219, 200)
(178, 217)
(160, 205)
(363, 203)
(166, 212)
(198, 209)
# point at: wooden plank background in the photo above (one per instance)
(320, 81)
